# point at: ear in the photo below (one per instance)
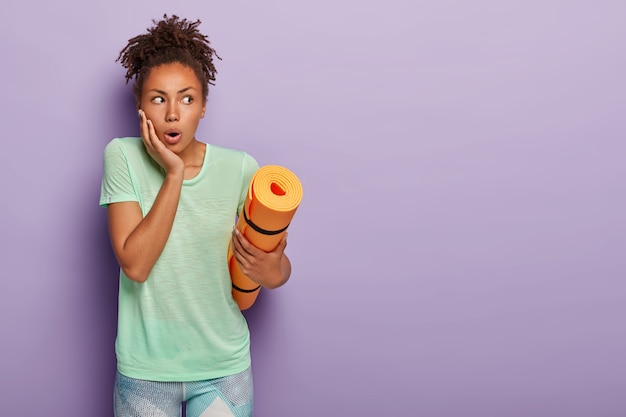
(203, 108)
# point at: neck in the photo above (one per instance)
(193, 158)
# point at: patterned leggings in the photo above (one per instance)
(229, 396)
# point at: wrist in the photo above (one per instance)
(175, 174)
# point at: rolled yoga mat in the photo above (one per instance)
(273, 196)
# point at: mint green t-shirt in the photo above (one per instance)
(182, 324)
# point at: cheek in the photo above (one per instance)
(195, 114)
(153, 114)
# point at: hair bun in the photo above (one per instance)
(171, 39)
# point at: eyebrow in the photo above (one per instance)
(184, 90)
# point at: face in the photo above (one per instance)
(171, 97)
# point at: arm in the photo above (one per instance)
(268, 269)
(138, 241)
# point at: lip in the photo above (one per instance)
(172, 136)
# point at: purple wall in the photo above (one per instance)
(460, 247)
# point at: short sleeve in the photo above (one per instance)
(117, 185)
(249, 167)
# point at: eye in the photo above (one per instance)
(187, 100)
(158, 100)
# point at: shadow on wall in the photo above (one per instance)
(116, 118)
(123, 119)
(105, 279)
(260, 310)
(120, 120)
(99, 311)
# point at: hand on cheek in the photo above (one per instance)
(155, 148)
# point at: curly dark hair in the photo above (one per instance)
(169, 40)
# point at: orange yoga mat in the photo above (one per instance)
(273, 197)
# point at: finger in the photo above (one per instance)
(236, 244)
(143, 127)
(143, 123)
(240, 241)
(243, 258)
(152, 137)
(152, 132)
(239, 258)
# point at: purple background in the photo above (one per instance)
(460, 247)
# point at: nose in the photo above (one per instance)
(172, 114)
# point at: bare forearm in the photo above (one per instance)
(144, 244)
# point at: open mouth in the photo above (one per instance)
(172, 136)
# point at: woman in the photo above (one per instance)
(171, 201)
